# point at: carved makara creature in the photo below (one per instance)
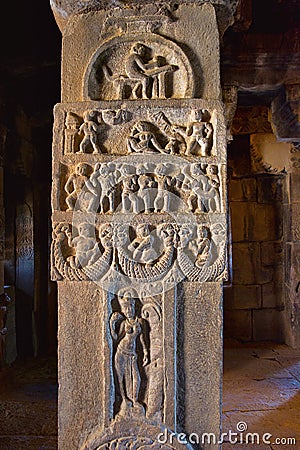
(88, 263)
(149, 257)
(209, 253)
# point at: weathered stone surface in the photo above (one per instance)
(271, 253)
(242, 297)
(295, 187)
(247, 268)
(242, 190)
(202, 314)
(285, 123)
(238, 324)
(255, 222)
(270, 189)
(274, 332)
(63, 10)
(272, 295)
(293, 219)
(250, 120)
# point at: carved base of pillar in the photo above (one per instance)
(178, 387)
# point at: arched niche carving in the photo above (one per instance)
(106, 78)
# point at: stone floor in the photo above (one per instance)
(28, 406)
(261, 391)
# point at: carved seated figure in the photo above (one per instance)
(86, 246)
(142, 140)
(145, 73)
(203, 245)
(142, 246)
(145, 79)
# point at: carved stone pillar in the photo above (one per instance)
(292, 263)
(139, 245)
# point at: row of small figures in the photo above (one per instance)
(162, 187)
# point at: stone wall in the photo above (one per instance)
(254, 300)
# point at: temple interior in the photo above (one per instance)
(260, 65)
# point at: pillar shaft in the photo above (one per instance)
(139, 245)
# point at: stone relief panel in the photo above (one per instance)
(138, 66)
(24, 233)
(116, 255)
(128, 177)
(96, 130)
(136, 187)
(82, 257)
(136, 331)
(84, 134)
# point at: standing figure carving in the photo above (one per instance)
(94, 186)
(196, 184)
(200, 131)
(71, 133)
(89, 129)
(214, 202)
(102, 185)
(145, 192)
(129, 186)
(126, 330)
(164, 185)
(75, 184)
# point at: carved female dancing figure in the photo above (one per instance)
(126, 328)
